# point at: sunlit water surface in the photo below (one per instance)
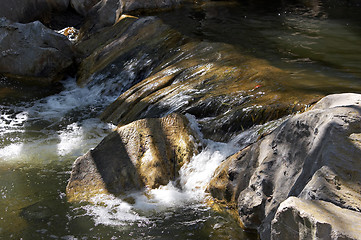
(319, 45)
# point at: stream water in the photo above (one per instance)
(319, 44)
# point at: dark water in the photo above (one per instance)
(317, 42)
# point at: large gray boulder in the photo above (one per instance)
(314, 155)
(304, 219)
(32, 52)
(27, 11)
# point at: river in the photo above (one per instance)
(318, 42)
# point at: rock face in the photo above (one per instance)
(314, 155)
(147, 152)
(33, 52)
(27, 11)
(304, 219)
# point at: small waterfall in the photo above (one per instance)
(189, 191)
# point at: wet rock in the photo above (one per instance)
(129, 6)
(313, 155)
(304, 219)
(33, 53)
(27, 11)
(224, 89)
(148, 152)
(132, 46)
(40, 211)
(108, 12)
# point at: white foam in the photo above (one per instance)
(10, 123)
(168, 196)
(59, 125)
(78, 138)
(109, 210)
(196, 174)
(11, 151)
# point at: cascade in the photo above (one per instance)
(40, 138)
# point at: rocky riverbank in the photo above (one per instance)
(291, 182)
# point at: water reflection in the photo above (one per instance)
(314, 40)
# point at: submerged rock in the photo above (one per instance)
(304, 219)
(314, 155)
(148, 152)
(27, 11)
(33, 53)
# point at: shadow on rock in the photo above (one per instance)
(145, 153)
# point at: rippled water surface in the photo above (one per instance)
(317, 42)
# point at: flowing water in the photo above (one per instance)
(319, 44)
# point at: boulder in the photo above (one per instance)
(313, 155)
(304, 219)
(26, 11)
(145, 153)
(33, 53)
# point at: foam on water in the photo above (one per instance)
(196, 174)
(63, 124)
(109, 210)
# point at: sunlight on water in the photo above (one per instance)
(39, 140)
(109, 210)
